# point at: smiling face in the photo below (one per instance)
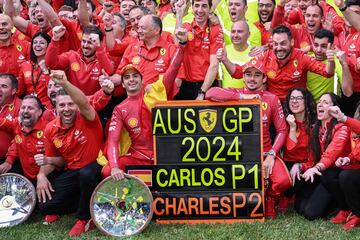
(354, 8)
(201, 10)
(125, 7)
(322, 107)
(313, 19)
(52, 89)
(254, 79)
(237, 10)
(66, 109)
(5, 28)
(265, 10)
(304, 4)
(39, 46)
(146, 29)
(134, 17)
(282, 45)
(132, 82)
(296, 102)
(239, 33)
(29, 112)
(87, 46)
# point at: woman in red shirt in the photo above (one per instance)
(34, 75)
(300, 111)
(329, 140)
(343, 181)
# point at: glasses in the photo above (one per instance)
(146, 58)
(297, 99)
(267, 5)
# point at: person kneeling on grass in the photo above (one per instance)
(275, 170)
(343, 181)
(72, 140)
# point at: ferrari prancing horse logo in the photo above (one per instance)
(208, 118)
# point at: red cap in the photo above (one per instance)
(254, 64)
(127, 68)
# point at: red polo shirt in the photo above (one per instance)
(201, 44)
(266, 36)
(82, 73)
(13, 55)
(280, 79)
(79, 145)
(33, 80)
(9, 111)
(28, 144)
(150, 62)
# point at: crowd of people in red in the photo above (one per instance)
(78, 80)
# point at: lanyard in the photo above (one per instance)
(37, 77)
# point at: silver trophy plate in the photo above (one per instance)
(121, 208)
(17, 199)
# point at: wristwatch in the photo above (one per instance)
(272, 153)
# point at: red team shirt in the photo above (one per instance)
(150, 62)
(293, 74)
(27, 144)
(13, 55)
(82, 73)
(272, 112)
(79, 145)
(201, 44)
(33, 80)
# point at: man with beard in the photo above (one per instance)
(73, 141)
(265, 12)
(285, 66)
(29, 136)
(317, 84)
(275, 170)
(238, 52)
(12, 51)
(9, 109)
(85, 66)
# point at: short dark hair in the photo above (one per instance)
(93, 29)
(283, 29)
(37, 100)
(209, 2)
(156, 22)
(153, 1)
(13, 79)
(44, 35)
(323, 33)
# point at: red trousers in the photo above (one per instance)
(279, 180)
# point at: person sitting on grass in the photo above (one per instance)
(343, 181)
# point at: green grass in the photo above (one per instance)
(286, 226)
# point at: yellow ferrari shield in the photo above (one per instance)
(208, 119)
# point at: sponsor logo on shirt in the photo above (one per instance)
(162, 51)
(271, 74)
(57, 143)
(190, 36)
(27, 74)
(264, 105)
(75, 66)
(18, 139)
(136, 60)
(19, 48)
(39, 134)
(21, 57)
(133, 122)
